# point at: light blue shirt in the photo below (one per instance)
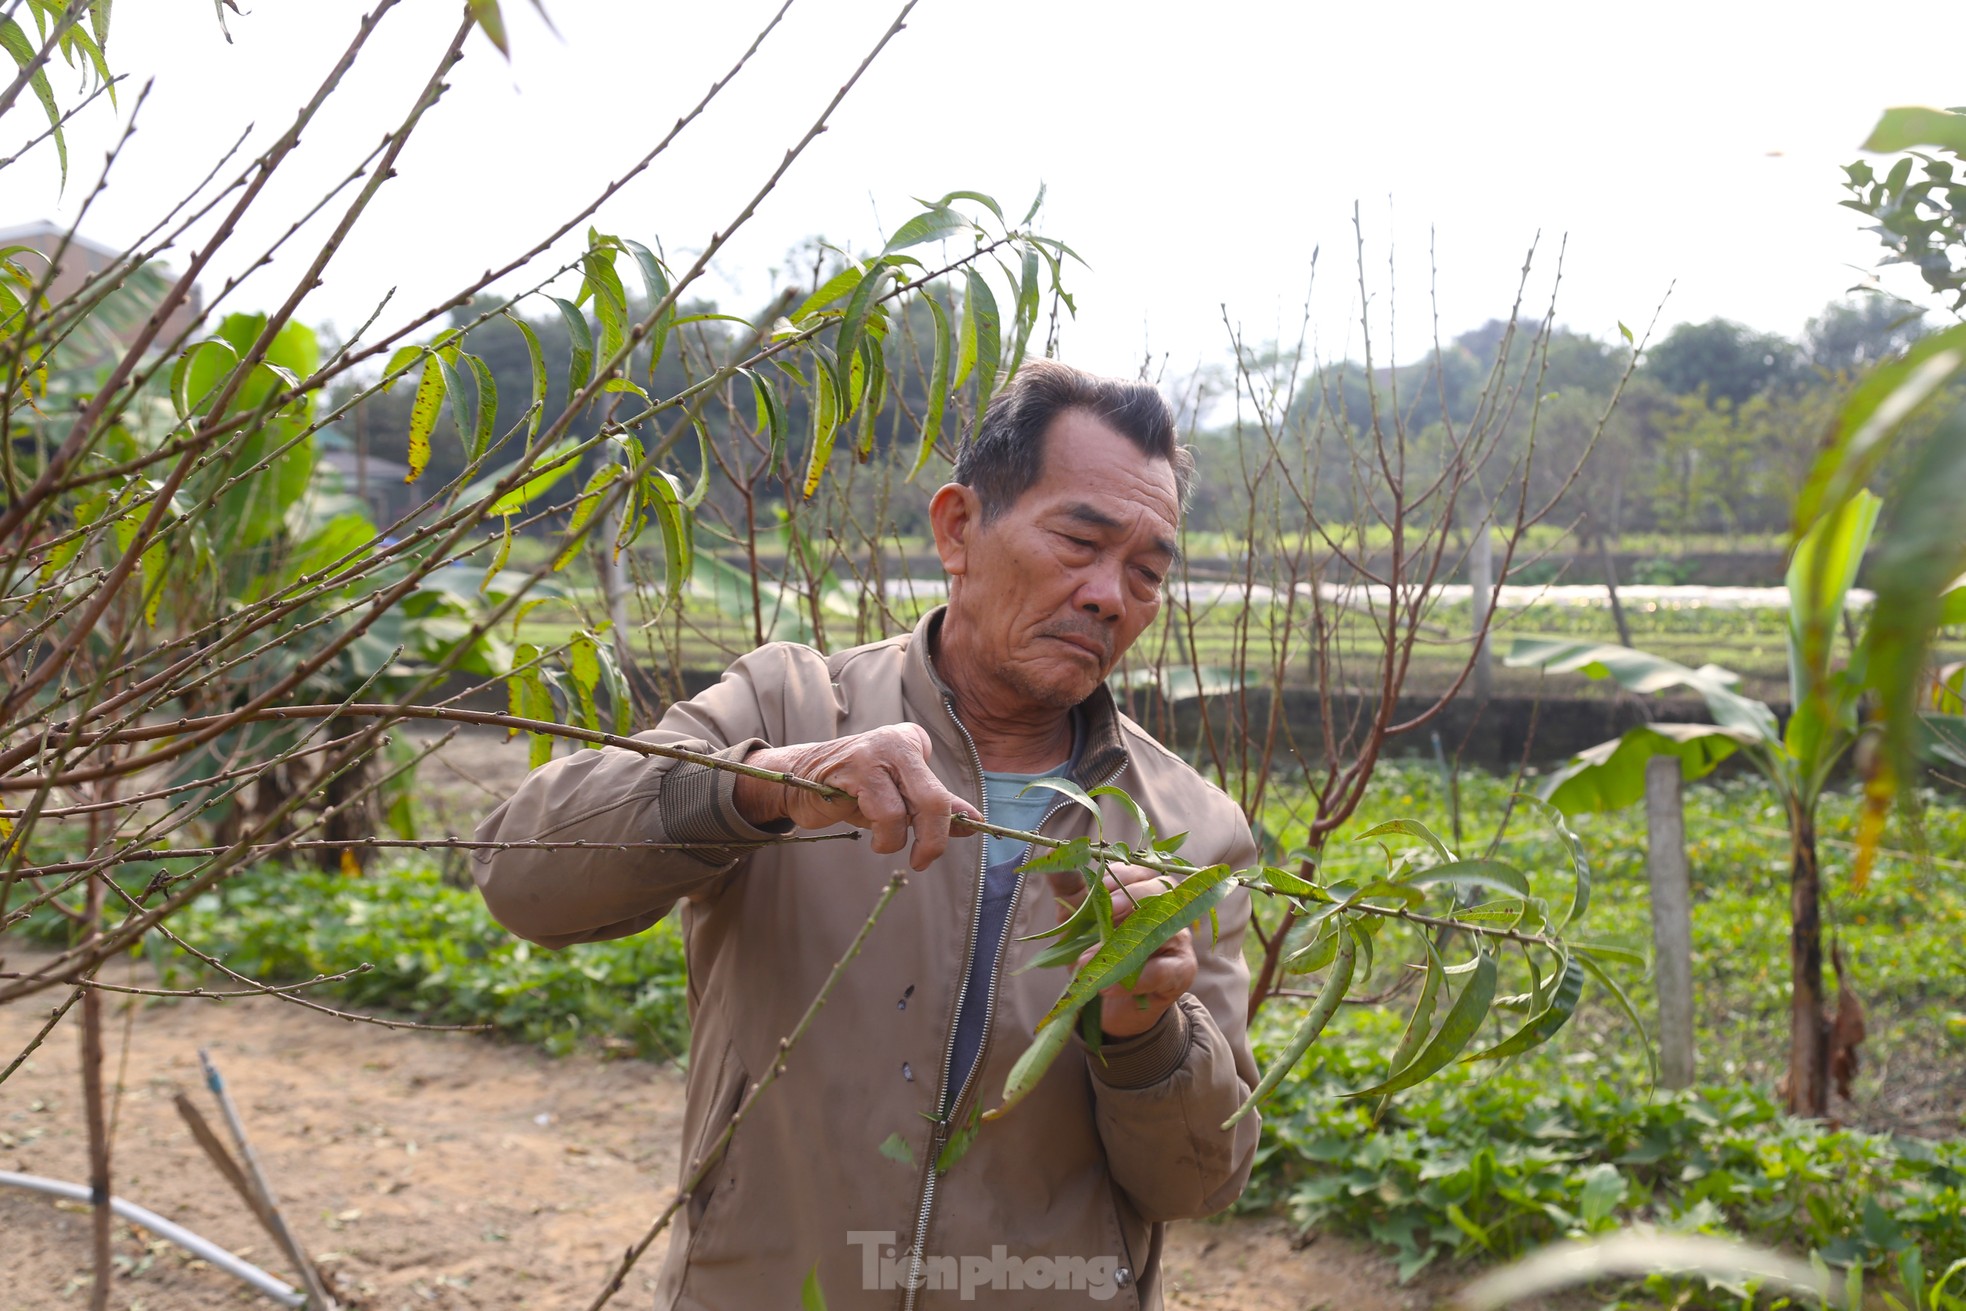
(1012, 807)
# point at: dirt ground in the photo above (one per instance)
(437, 1170)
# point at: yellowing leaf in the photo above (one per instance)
(423, 418)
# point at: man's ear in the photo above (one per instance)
(955, 515)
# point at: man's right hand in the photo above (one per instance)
(890, 790)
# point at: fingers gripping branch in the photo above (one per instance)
(883, 784)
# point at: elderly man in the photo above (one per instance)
(867, 1159)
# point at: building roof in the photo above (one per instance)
(42, 228)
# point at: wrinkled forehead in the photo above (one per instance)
(1099, 477)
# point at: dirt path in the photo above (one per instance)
(438, 1170)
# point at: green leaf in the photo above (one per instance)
(1543, 1025)
(1151, 924)
(1496, 875)
(655, 281)
(770, 420)
(983, 329)
(401, 361)
(672, 516)
(485, 14)
(463, 401)
(872, 361)
(932, 224)
(1604, 1189)
(152, 566)
(584, 510)
(1821, 570)
(938, 388)
(553, 465)
(986, 202)
(1319, 952)
(1066, 788)
(1584, 957)
(1066, 951)
(1026, 317)
(1037, 1058)
(1611, 775)
(1037, 203)
(1911, 126)
(895, 1148)
(811, 1296)
(580, 366)
(528, 698)
(537, 358)
(1075, 855)
(966, 341)
(1129, 805)
(1580, 863)
(1411, 828)
(584, 663)
(1319, 1015)
(487, 408)
(621, 697)
(1463, 1021)
(1639, 671)
(499, 558)
(199, 373)
(610, 300)
(15, 42)
(1289, 884)
(1920, 551)
(1421, 1022)
(831, 290)
(1870, 422)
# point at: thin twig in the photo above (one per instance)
(54, 1018)
(262, 990)
(702, 1166)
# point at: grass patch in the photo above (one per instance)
(436, 954)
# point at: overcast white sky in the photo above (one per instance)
(1195, 153)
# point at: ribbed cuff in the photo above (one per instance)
(699, 804)
(1147, 1058)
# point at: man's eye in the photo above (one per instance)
(1082, 543)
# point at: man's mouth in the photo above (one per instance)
(1084, 644)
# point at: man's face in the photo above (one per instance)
(1054, 590)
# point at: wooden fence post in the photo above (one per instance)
(1481, 581)
(1672, 919)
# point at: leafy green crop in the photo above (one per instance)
(1573, 1140)
(1494, 1167)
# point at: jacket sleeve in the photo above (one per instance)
(1161, 1096)
(558, 897)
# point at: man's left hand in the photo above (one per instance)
(1125, 1012)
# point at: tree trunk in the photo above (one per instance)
(1481, 586)
(1808, 1079)
(1611, 590)
(349, 821)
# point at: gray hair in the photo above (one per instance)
(1004, 457)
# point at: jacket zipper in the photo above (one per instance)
(918, 1254)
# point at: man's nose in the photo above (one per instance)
(1102, 594)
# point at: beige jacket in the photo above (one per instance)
(1060, 1203)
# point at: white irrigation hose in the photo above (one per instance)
(203, 1249)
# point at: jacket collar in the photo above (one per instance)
(923, 689)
